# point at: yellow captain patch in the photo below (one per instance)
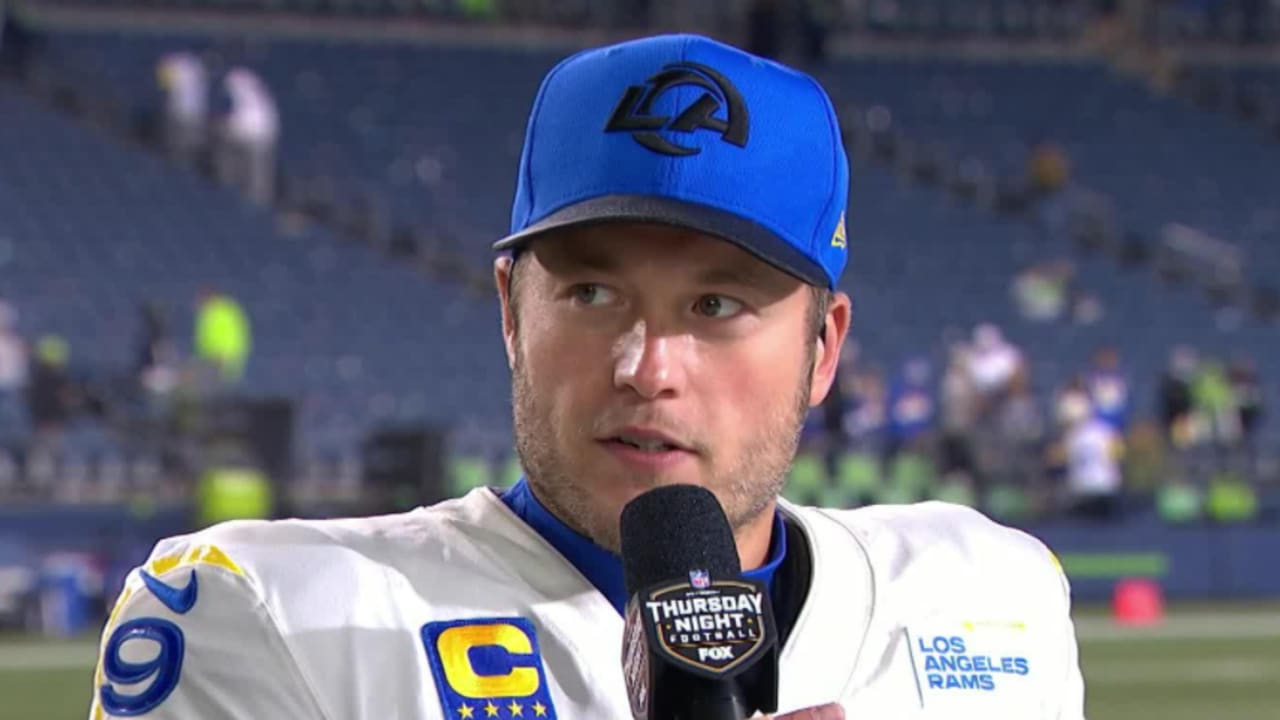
(487, 668)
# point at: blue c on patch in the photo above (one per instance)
(488, 668)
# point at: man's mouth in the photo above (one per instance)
(645, 440)
(646, 445)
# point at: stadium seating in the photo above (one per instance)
(1160, 159)
(1004, 19)
(92, 229)
(435, 133)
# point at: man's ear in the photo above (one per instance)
(502, 269)
(826, 356)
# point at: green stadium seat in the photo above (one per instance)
(838, 496)
(807, 480)
(857, 476)
(466, 473)
(895, 492)
(912, 475)
(511, 472)
(1179, 503)
(956, 492)
(1231, 500)
(1007, 502)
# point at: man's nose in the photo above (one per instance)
(650, 363)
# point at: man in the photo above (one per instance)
(185, 81)
(223, 334)
(1109, 390)
(1091, 451)
(669, 314)
(993, 363)
(14, 370)
(250, 132)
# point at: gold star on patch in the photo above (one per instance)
(490, 710)
(466, 710)
(517, 710)
(539, 709)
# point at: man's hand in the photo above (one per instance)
(822, 712)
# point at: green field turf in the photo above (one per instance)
(1204, 664)
(1200, 664)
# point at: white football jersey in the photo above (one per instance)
(462, 611)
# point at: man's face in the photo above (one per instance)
(644, 355)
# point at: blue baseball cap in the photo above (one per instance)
(687, 131)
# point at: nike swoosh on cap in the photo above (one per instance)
(179, 600)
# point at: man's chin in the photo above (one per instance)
(636, 484)
(624, 490)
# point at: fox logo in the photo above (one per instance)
(719, 653)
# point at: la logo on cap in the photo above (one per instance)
(634, 113)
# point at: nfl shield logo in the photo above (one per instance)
(699, 579)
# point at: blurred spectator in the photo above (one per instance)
(1092, 453)
(51, 396)
(1048, 168)
(1215, 406)
(764, 28)
(1020, 427)
(247, 156)
(835, 405)
(1041, 291)
(185, 82)
(1145, 458)
(960, 407)
(910, 410)
(816, 19)
(865, 414)
(1248, 396)
(778, 28)
(1066, 396)
(223, 336)
(18, 41)
(1109, 390)
(993, 361)
(157, 356)
(1175, 396)
(1087, 309)
(13, 370)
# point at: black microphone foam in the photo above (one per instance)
(694, 626)
(670, 530)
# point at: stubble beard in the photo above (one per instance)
(747, 489)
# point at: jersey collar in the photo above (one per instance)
(600, 567)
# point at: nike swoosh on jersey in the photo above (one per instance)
(179, 600)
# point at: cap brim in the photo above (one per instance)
(746, 234)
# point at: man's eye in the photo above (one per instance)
(717, 306)
(592, 294)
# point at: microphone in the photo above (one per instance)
(694, 626)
